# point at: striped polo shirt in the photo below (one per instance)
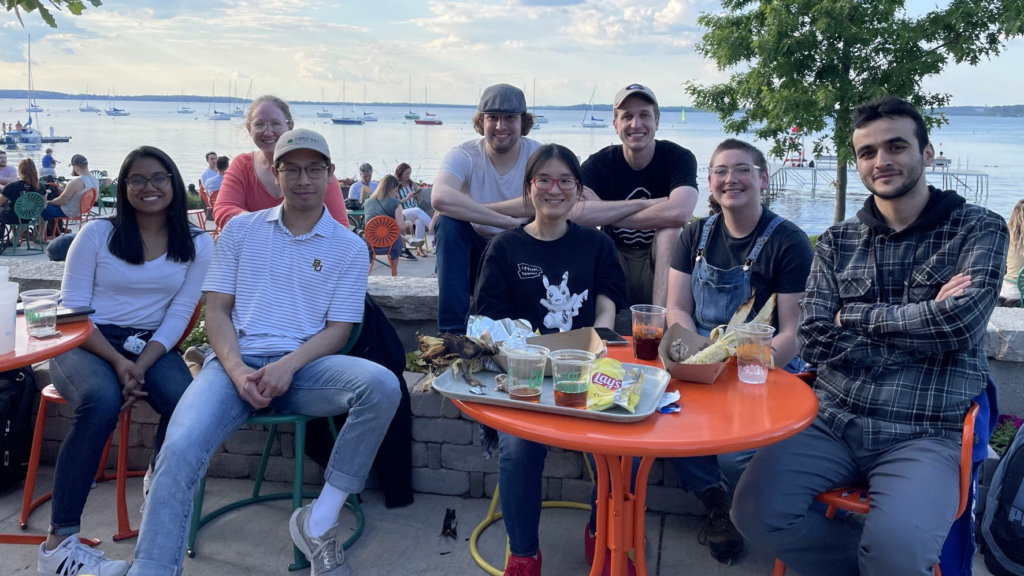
(287, 287)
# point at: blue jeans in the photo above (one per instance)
(211, 411)
(51, 212)
(459, 250)
(520, 471)
(90, 386)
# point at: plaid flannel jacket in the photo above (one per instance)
(906, 365)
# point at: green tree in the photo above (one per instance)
(809, 63)
(76, 7)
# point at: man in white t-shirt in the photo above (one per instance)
(211, 168)
(280, 353)
(365, 181)
(479, 192)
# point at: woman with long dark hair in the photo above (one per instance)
(409, 193)
(580, 265)
(141, 271)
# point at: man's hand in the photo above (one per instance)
(273, 379)
(955, 287)
(520, 220)
(589, 194)
(246, 388)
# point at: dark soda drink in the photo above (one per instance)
(572, 393)
(645, 342)
(525, 393)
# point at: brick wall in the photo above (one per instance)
(446, 455)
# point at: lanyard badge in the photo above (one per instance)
(134, 344)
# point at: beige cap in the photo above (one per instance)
(635, 89)
(301, 139)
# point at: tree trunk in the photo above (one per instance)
(840, 214)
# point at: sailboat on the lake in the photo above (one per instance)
(537, 118)
(112, 109)
(411, 115)
(588, 118)
(324, 112)
(347, 120)
(367, 116)
(183, 108)
(32, 106)
(211, 111)
(430, 119)
(85, 106)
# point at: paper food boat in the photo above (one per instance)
(703, 373)
(581, 339)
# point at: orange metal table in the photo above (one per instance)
(726, 416)
(28, 351)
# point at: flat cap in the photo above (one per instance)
(502, 99)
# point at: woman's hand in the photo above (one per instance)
(131, 380)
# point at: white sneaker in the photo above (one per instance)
(147, 481)
(72, 558)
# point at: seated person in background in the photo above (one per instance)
(519, 270)
(895, 317)
(279, 357)
(49, 165)
(69, 203)
(28, 181)
(384, 202)
(365, 186)
(57, 249)
(719, 262)
(1009, 295)
(211, 168)
(249, 184)
(141, 270)
(8, 173)
(213, 184)
(410, 195)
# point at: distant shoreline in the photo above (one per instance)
(990, 111)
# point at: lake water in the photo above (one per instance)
(992, 145)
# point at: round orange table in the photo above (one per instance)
(718, 418)
(28, 351)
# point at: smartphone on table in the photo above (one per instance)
(611, 336)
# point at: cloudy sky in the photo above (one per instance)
(295, 48)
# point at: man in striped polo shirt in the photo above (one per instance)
(278, 309)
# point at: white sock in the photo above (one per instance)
(326, 510)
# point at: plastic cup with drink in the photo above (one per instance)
(525, 370)
(40, 312)
(648, 328)
(570, 371)
(753, 352)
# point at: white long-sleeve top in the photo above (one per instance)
(159, 295)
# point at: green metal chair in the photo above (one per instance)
(27, 208)
(273, 420)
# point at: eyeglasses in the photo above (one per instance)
(275, 126)
(138, 183)
(545, 184)
(740, 171)
(293, 172)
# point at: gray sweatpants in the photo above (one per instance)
(914, 497)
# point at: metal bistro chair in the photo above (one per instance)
(272, 419)
(50, 395)
(381, 233)
(858, 499)
(27, 208)
(85, 205)
(1020, 286)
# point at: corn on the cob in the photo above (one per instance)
(766, 313)
(718, 352)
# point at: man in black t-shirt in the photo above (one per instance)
(641, 193)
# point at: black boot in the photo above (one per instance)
(721, 537)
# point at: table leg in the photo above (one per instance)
(620, 514)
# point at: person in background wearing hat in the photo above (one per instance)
(69, 203)
(648, 190)
(282, 357)
(478, 192)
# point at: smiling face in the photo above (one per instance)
(555, 203)
(735, 180)
(636, 123)
(303, 192)
(266, 124)
(501, 131)
(889, 157)
(150, 199)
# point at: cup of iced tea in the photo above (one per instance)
(525, 369)
(570, 371)
(648, 327)
(753, 352)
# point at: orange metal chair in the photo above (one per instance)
(50, 395)
(381, 232)
(208, 200)
(86, 203)
(858, 499)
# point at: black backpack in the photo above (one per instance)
(1002, 526)
(17, 396)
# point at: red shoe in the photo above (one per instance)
(590, 543)
(523, 565)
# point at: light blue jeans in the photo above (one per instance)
(211, 410)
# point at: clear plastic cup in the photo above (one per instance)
(753, 352)
(648, 328)
(570, 371)
(40, 311)
(526, 371)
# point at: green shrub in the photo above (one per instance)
(814, 241)
(194, 201)
(198, 335)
